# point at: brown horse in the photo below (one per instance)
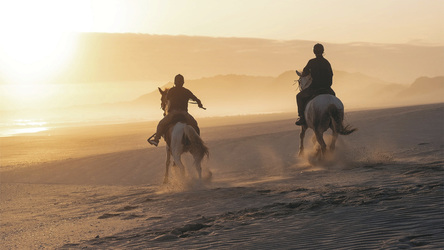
(181, 138)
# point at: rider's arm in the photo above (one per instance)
(199, 103)
(194, 98)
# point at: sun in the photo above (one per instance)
(33, 57)
(28, 64)
(34, 48)
(33, 44)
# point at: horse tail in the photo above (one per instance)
(196, 143)
(337, 118)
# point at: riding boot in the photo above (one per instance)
(301, 121)
(161, 127)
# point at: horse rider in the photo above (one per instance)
(178, 98)
(322, 76)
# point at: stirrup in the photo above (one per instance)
(151, 141)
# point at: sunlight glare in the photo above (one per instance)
(35, 44)
(28, 92)
(34, 57)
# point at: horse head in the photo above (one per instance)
(163, 100)
(304, 81)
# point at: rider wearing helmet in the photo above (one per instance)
(178, 98)
(322, 76)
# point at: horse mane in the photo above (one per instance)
(304, 81)
(164, 102)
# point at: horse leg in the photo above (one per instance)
(197, 164)
(177, 147)
(178, 161)
(301, 136)
(314, 140)
(168, 161)
(333, 141)
(320, 139)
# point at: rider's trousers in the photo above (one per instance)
(170, 118)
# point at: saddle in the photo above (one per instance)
(178, 117)
(185, 118)
(322, 91)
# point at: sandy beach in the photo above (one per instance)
(84, 84)
(100, 187)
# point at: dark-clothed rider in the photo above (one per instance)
(322, 75)
(178, 98)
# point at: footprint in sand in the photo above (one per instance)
(106, 216)
(133, 216)
(127, 208)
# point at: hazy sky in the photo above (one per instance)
(38, 37)
(339, 21)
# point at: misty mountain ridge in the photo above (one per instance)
(228, 95)
(245, 94)
(101, 57)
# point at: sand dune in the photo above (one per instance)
(102, 189)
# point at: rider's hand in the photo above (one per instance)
(201, 106)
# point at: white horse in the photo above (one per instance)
(322, 113)
(181, 138)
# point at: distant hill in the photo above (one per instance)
(225, 94)
(425, 90)
(102, 57)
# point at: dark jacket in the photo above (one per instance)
(321, 72)
(178, 98)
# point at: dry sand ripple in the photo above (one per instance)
(383, 188)
(379, 213)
